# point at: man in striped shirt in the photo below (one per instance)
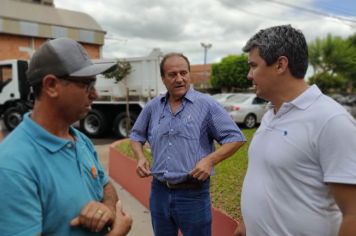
(181, 127)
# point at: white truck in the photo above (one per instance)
(15, 96)
(114, 111)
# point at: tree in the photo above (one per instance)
(119, 72)
(352, 73)
(231, 73)
(333, 58)
(329, 83)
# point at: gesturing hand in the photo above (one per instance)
(94, 216)
(142, 168)
(202, 169)
(240, 229)
(122, 223)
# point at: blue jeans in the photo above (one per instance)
(186, 209)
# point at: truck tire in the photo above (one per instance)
(250, 121)
(119, 123)
(13, 116)
(94, 124)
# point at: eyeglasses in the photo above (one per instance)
(89, 84)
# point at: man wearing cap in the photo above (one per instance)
(51, 180)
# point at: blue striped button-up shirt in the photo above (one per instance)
(179, 140)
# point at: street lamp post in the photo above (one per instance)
(206, 47)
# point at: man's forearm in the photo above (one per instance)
(137, 149)
(225, 151)
(110, 196)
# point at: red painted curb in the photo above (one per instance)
(123, 170)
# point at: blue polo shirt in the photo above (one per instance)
(45, 181)
(180, 140)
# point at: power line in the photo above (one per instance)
(338, 9)
(256, 14)
(343, 20)
(315, 12)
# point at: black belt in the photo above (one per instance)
(188, 184)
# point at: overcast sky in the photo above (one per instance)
(135, 27)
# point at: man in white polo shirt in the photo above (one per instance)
(301, 176)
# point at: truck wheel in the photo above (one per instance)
(120, 122)
(250, 121)
(13, 117)
(94, 124)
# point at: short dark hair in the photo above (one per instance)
(278, 41)
(172, 54)
(37, 89)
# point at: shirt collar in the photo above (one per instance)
(190, 96)
(43, 137)
(307, 98)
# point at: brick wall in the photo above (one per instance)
(10, 47)
(200, 75)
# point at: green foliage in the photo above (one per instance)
(125, 149)
(333, 58)
(352, 40)
(352, 73)
(226, 184)
(119, 72)
(231, 73)
(329, 83)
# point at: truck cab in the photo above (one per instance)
(15, 95)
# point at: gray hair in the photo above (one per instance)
(278, 41)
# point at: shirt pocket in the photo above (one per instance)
(93, 175)
(157, 133)
(188, 130)
(189, 147)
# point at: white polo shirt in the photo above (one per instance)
(309, 142)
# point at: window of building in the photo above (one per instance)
(86, 36)
(28, 28)
(58, 32)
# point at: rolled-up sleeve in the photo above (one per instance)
(140, 128)
(222, 127)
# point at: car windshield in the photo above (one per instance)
(238, 98)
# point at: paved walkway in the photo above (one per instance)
(140, 214)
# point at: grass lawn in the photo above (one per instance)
(227, 183)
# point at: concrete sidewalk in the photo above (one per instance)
(141, 215)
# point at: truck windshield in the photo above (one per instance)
(5, 75)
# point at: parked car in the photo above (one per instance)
(222, 97)
(348, 102)
(352, 111)
(246, 109)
